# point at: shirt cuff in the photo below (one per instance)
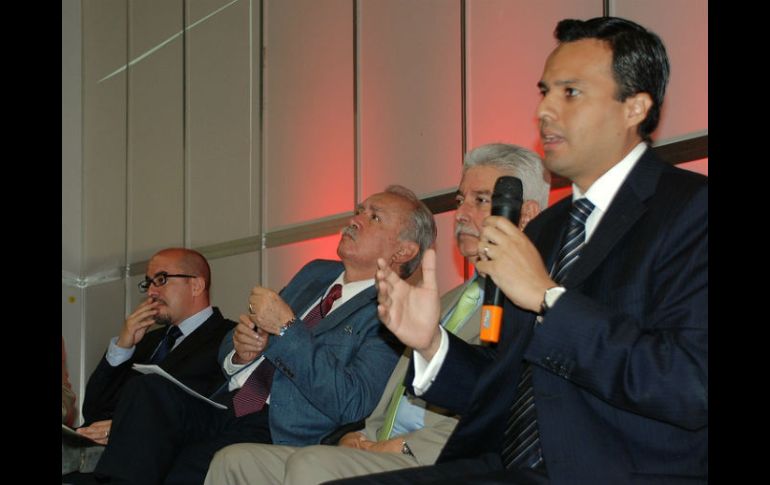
(238, 372)
(425, 372)
(118, 355)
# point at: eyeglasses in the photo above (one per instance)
(159, 280)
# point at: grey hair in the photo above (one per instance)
(516, 161)
(421, 227)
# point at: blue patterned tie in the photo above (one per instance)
(166, 344)
(521, 441)
(252, 396)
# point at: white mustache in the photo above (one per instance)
(463, 229)
(351, 231)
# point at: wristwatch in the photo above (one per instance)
(550, 297)
(286, 326)
(406, 450)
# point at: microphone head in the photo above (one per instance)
(508, 188)
(507, 198)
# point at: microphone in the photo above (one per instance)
(506, 202)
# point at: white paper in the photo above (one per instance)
(154, 369)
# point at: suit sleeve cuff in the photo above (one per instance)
(425, 372)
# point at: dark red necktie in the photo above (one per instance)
(252, 396)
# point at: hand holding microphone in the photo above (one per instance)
(506, 202)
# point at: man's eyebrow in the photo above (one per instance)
(563, 82)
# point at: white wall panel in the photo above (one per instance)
(155, 131)
(104, 315)
(508, 42)
(231, 281)
(283, 262)
(308, 96)
(683, 27)
(222, 193)
(410, 94)
(699, 166)
(104, 135)
(71, 136)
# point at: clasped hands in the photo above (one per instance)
(267, 314)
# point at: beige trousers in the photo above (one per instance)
(256, 464)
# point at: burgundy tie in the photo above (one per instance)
(252, 396)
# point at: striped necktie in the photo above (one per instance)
(166, 344)
(521, 439)
(467, 303)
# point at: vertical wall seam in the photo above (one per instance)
(463, 104)
(186, 237)
(127, 195)
(262, 143)
(357, 169)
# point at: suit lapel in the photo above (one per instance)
(625, 209)
(310, 292)
(191, 342)
(341, 314)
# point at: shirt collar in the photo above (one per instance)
(603, 190)
(191, 323)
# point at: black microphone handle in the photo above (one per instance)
(492, 294)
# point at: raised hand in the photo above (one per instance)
(137, 323)
(411, 312)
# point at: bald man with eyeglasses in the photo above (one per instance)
(185, 345)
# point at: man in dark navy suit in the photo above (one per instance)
(601, 372)
(177, 286)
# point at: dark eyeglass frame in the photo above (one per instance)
(159, 280)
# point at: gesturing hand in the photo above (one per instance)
(411, 312)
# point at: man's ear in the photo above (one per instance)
(529, 209)
(637, 107)
(406, 251)
(198, 285)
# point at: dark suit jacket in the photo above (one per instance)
(330, 375)
(193, 361)
(619, 364)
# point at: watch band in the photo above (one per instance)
(552, 294)
(286, 326)
(405, 449)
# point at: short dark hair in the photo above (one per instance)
(639, 60)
